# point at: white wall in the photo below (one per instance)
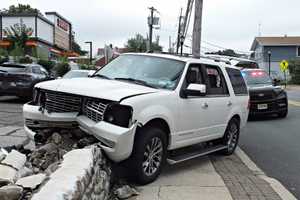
(45, 31)
(10, 21)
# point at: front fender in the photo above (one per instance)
(157, 112)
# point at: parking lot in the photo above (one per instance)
(273, 144)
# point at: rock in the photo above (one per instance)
(11, 192)
(125, 192)
(31, 182)
(86, 142)
(56, 138)
(42, 136)
(52, 168)
(2, 156)
(15, 159)
(25, 171)
(7, 174)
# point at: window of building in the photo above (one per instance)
(298, 51)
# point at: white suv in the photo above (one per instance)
(144, 107)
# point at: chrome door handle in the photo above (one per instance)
(205, 105)
(229, 103)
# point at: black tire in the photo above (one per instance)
(283, 114)
(138, 160)
(231, 136)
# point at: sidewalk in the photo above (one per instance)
(293, 87)
(214, 178)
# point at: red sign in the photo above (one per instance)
(62, 24)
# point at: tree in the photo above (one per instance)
(139, 44)
(18, 34)
(20, 8)
(294, 69)
(76, 48)
(226, 52)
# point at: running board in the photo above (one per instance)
(175, 159)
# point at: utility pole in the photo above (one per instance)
(179, 32)
(197, 28)
(91, 51)
(150, 23)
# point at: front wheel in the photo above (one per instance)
(231, 136)
(149, 154)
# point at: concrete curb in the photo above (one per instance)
(275, 184)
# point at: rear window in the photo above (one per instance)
(12, 68)
(237, 81)
(247, 65)
(257, 77)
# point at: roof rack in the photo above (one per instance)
(187, 55)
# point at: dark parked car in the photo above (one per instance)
(19, 79)
(266, 97)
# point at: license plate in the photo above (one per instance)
(13, 84)
(262, 106)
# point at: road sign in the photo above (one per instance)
(284, 65)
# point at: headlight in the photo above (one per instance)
(119, 115)
(35, 96)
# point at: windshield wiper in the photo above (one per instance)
(136, 81)
(101, 76)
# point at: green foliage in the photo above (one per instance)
(47, 64)
(226, 52)
(76, 48)
(62, 68)
(25, 60)
(294, 69)
(17, 53)
(87, 67)
(20, 9)
(18, 34)
(139, 44)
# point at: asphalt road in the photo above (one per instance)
(274, 145)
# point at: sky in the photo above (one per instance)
(226, 23)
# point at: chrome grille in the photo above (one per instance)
(60, 102)
(94, 109)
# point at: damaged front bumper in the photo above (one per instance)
(116, 141)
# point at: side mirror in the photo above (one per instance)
(195, 90)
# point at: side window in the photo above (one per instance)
(36, 70)
(237, 81)
(216, 84)
(199, 78)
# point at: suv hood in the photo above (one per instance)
(262, 87)
(96, 87)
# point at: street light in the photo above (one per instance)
(269, 54)
(91, 51)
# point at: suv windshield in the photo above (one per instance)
(257, 77)
(144, 70)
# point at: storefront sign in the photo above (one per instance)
(62, 24)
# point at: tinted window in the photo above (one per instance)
(257, 77)
(215, 81)
(237, 81)
(36, 70)
(199, 77)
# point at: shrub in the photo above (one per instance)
(61, 68)
(25, 60)
(294, 68)
(47, 64)
(87, 67)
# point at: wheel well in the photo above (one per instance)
(161, 124)
(237, 117)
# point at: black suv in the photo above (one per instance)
(266, 97)
(19, 79)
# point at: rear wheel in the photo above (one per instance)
(231, 136)
(149, 154)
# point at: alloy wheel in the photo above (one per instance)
(152, 156)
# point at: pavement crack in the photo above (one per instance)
(12, 131)
(158, 195)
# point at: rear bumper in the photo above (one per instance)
(117, 142)
(17, 91)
